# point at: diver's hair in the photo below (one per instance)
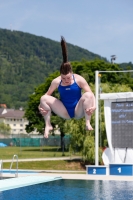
(65, 66)
(64, 49)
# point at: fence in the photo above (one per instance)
(36, 142)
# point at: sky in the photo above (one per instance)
(104, 27)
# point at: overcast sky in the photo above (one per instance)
(104, 27)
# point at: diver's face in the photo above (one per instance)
(66, 79)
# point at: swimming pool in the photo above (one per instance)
(73, 190)
(19, 171)
(14, 173)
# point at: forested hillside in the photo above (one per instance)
(26, 60)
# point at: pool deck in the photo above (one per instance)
(26, 179)
(89, 177)
(79, 175)
(72, 175)
(75, 175)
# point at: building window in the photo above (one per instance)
(14, 129)
(21, 129)
(14, 124)
(21, 124)
(14, 119)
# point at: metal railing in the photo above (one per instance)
(15, 156)
(1, 169)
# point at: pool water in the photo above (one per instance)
(72, 190)
(19, 171)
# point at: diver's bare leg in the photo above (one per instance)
(83, 106)
(50, 103)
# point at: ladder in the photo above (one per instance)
(15, 156)
(1, 168)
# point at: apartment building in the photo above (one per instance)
(15, 119)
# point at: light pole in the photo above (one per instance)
(113, 57)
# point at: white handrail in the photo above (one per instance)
(15, 156)
(1, 168)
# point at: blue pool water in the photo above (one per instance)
(72, 190)
(19, 171)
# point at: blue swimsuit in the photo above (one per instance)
(69, 96)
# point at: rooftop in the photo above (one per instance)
(16, 114)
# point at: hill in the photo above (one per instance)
(26, 60)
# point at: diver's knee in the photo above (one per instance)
(43, 98)
(88, 95)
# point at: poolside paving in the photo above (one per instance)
(44, 159)
(75, 175)
(80, 175)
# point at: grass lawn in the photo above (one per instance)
(49, 165)
(39, 152)
(31, 152)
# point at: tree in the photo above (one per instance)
(81, 140)
(84, 141)
(36, 120)
(4, 129)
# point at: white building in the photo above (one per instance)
(15, 119)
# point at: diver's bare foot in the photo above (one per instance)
(89, 127)
(47, 130)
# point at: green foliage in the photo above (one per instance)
(89, 149)
(77, 130)
(88, 68)
(26, 61)
(81, 140)
(4, 129)
(36, 120)
(127, 66)
(84, 141)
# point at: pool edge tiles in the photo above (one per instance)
(13, 183)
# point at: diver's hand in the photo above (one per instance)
(42, 111)
(90, 110)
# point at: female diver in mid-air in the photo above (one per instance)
(72, 103)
